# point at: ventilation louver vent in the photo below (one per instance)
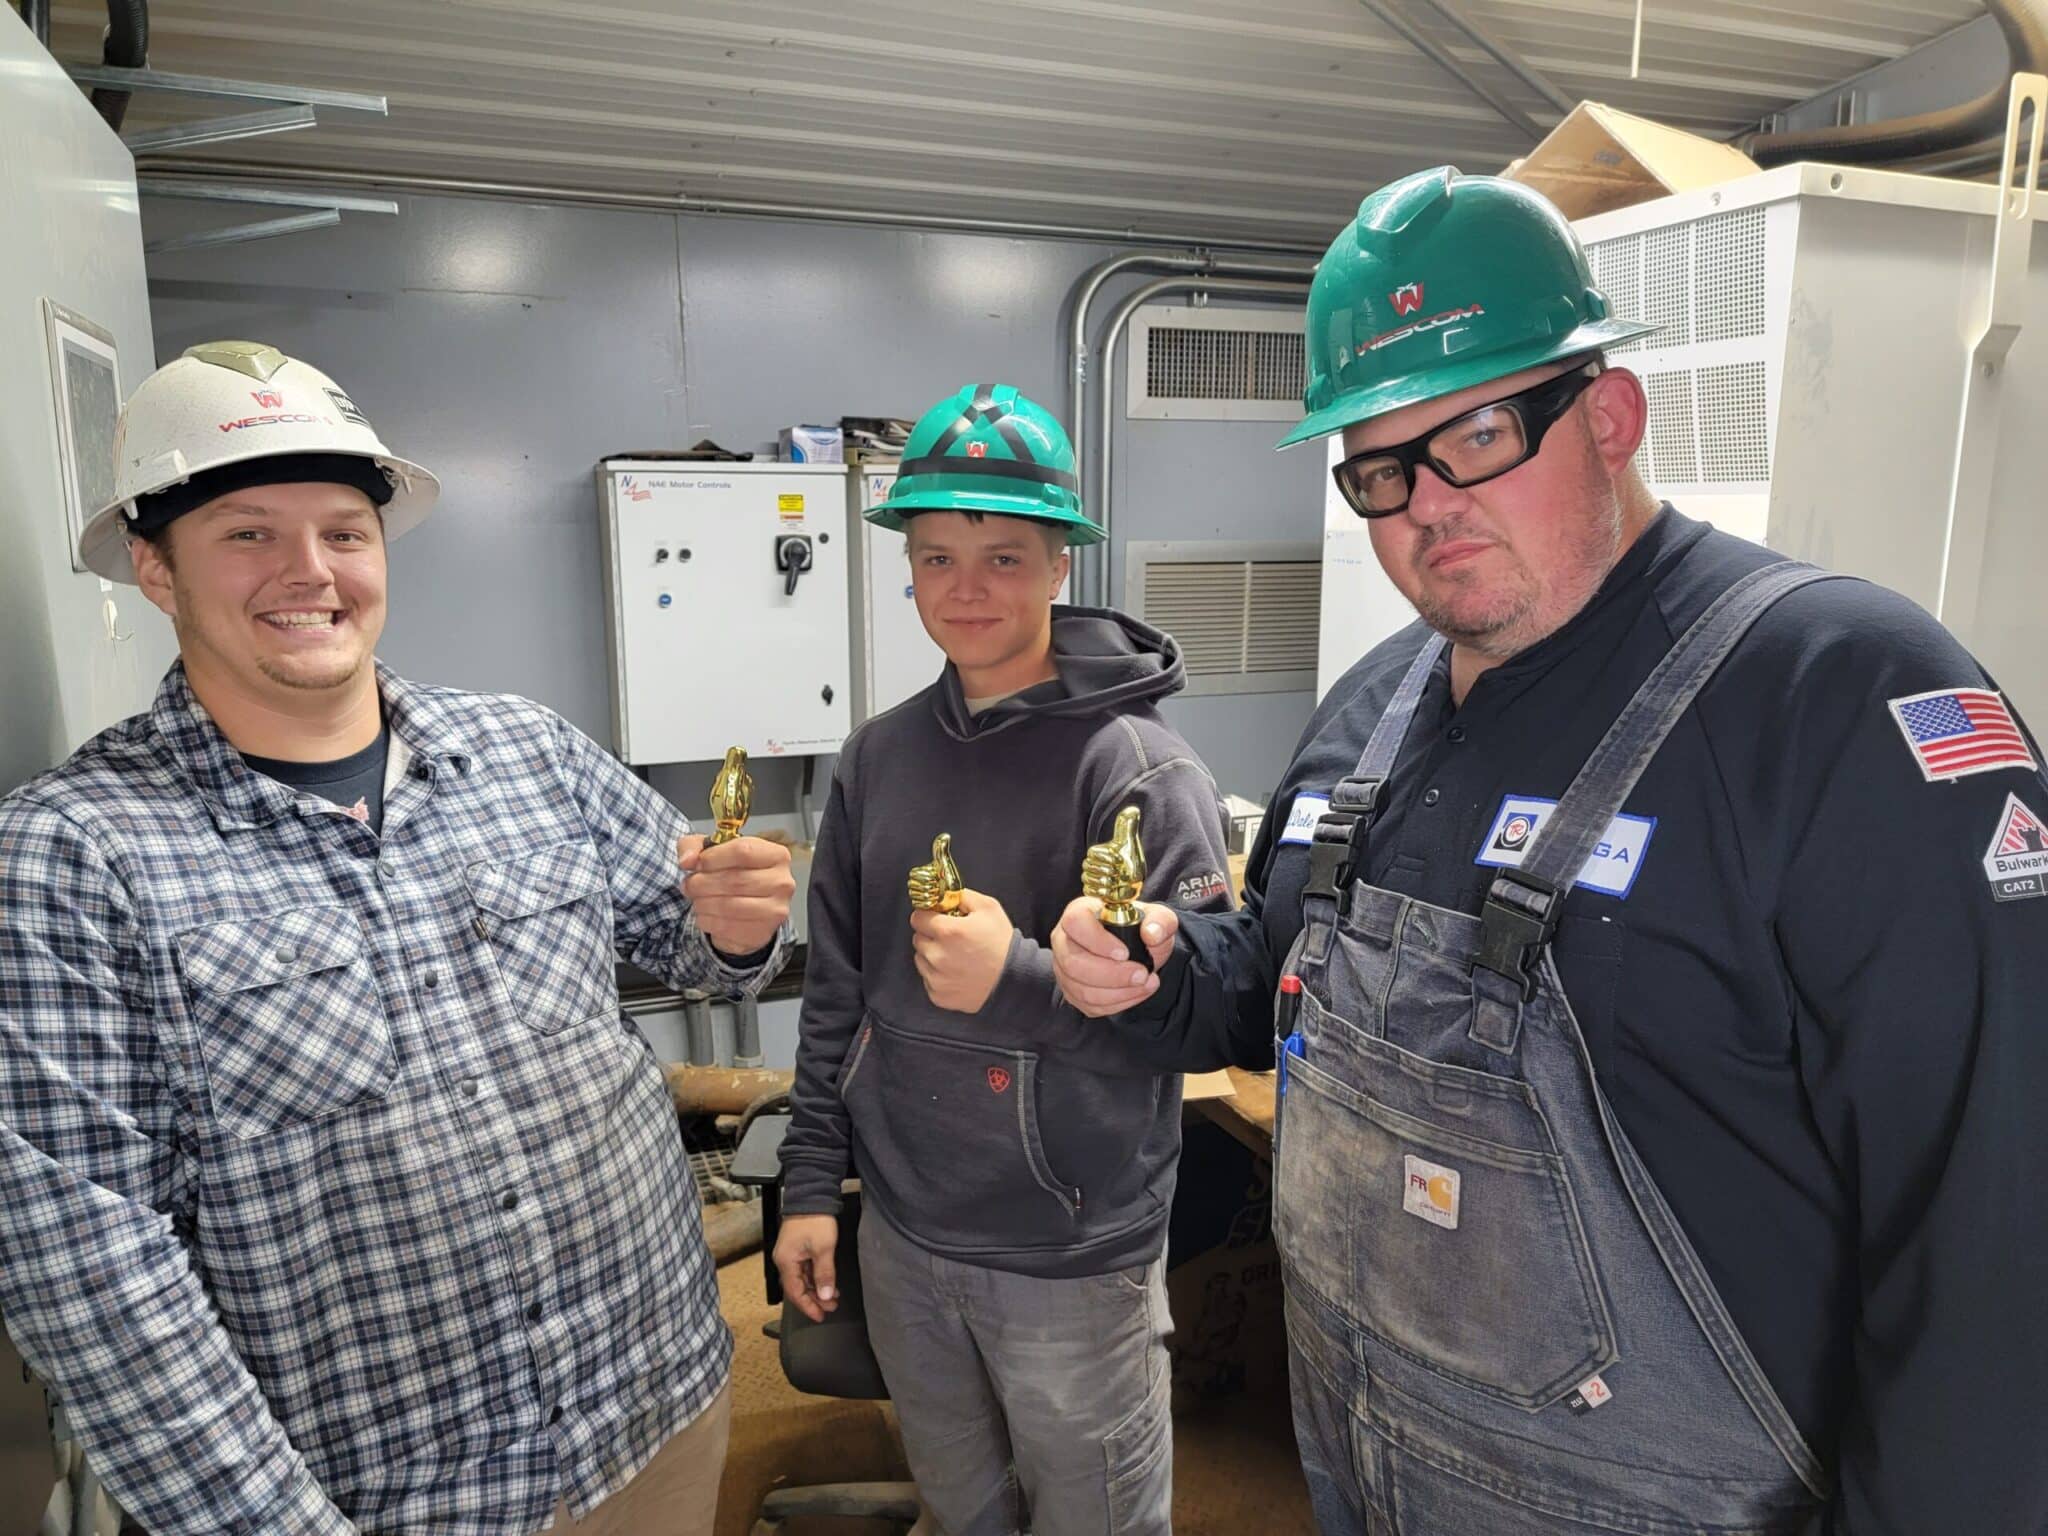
(1203, 364)
(1705, 284)
(1728, 302)
(1244, 625)
(1733, 444)
(1674, 458)
(1184, 364)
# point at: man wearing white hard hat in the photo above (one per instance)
(336, 1193)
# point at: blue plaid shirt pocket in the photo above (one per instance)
(289, 1019)
(547, 919)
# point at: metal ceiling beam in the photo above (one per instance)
(1428, 46)
(275, 197)
(670, 202)
(1962, 62)
(239, 90)
(235, 234)
(1503, 55)
(220, 130)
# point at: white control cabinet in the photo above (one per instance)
(893, 657)
(726, 599)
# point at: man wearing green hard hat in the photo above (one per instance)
(1016, 1161)
(1656, 1005)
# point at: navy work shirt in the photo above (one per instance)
(355, 783)
(1818, 1008)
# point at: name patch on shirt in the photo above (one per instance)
(1614, 861)
(1302, 818)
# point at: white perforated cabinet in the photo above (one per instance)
(710, 645)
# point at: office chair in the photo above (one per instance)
(828, 1359)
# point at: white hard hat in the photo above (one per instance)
(231, 402)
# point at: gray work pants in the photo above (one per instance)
(1002, 1380)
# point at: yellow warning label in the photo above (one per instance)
(790, 504)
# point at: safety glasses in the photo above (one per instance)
(1475, 447)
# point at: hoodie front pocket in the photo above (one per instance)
(950, 1133)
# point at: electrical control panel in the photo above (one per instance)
(726, 599)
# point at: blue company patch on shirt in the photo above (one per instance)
(1615, 860)
(1302, 818)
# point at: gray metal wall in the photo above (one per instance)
(509, 346)
(67, 204)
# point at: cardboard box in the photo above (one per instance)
(1599, 159)
(1242, 816)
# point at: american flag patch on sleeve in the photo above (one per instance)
(1959, 731)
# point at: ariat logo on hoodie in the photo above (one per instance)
(1197, 888)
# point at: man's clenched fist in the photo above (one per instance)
(739, 891)
(1089, 962)
(961, 958)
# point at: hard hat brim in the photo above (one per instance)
(103, 546)
(890, 514)
(1415, 388)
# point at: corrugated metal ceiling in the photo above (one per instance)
(1260, 120)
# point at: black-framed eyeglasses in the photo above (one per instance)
(1472, 448)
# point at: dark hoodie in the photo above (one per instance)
(1023, 1137)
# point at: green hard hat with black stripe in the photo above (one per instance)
(988, 448)
(1442, 282)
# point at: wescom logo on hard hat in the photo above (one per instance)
(194, 415)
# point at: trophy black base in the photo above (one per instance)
(1133, 936)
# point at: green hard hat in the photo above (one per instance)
(988, 448)
(1444, 281)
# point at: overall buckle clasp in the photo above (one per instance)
(1336, 845)
(1519, 919)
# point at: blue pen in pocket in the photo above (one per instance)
(1284, 1025)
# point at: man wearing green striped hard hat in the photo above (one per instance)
(1016, 1163)
(1652, 938)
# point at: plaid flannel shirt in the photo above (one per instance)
(336, 1193)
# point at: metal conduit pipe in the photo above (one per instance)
(1085, 292)
(35, 14)
(1974, 127)
(697, 1029)
(1238, 286)
(1974, 160)
(746, 1048)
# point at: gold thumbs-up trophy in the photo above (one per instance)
(732, 796)
(936, 887)
(1114, 874)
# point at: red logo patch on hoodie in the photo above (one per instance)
(998, 1079)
